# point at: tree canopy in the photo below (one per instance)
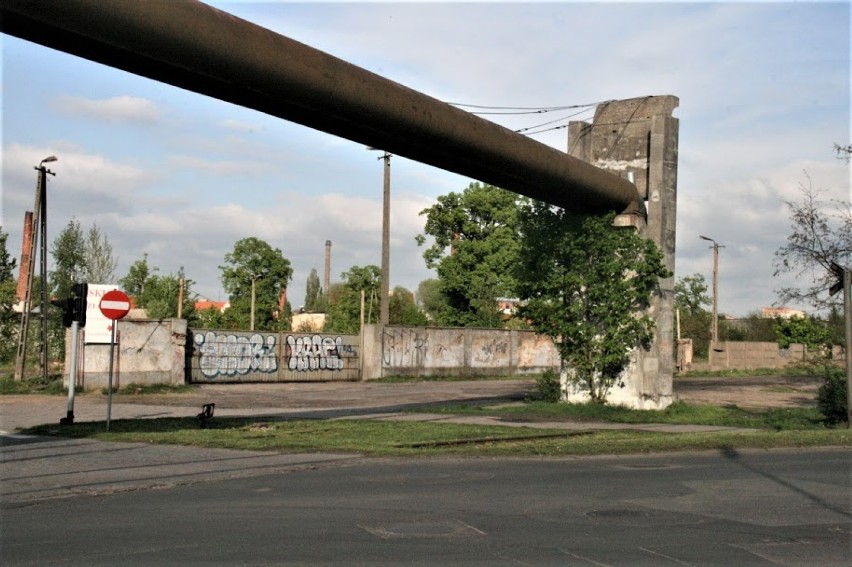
(158, 294)
(314, 297)
(255, 262)
(474, 250)
(821, 233)
(587, 285)
(344, 299)
(8, 317)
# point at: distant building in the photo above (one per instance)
(203, 304)
(780, 313)
(307, 322)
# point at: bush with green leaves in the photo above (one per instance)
(832, 398)
(547, 388)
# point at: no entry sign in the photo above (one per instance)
(115, 304)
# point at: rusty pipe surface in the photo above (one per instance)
(199, 48)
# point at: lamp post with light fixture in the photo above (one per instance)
(384, 301)
(715, 331)
(36, 235)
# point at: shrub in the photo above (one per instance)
(547, 388)
(831, 397)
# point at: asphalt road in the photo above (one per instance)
(729, 508)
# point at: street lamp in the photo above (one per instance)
(38, 231)
(384, 309)
(715, 333)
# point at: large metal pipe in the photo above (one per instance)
(199, 48)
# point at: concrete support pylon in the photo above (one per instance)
(639, 137)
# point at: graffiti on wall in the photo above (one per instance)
(228, 354)
(404, 348)
(494, 347)
(308, 353)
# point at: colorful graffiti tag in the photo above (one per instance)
(229, 354)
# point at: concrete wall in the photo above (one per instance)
(431, 351)
(243, 356)
(146, 352)
(740, 355)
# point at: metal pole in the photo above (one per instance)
(72, 374)
(847, 307)
(109, 382)
(384, 309)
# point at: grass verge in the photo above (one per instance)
(405, 438)
(679, 413)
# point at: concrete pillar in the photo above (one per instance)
(640, 137)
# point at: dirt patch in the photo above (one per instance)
(752, 391)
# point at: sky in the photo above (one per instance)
(764, 93)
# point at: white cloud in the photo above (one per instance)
(220, 167)
(115, 109)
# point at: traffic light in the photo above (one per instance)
(80, 299)
(74, 308)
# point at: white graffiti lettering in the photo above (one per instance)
(228, 355)
(309, 353)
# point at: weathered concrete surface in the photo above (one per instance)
(640, 137)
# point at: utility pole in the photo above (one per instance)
(384, 300)
(715, 331)
(40, 220)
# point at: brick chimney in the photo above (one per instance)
(26, 245)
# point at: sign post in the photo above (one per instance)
(114, 305)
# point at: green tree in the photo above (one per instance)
(344, 300)
(313, 294)
(809, 331)
(69, 266)
(97, 257)
(587, 286)
(403, 311)
(137, 275)
(821, 233)
(158, 295)
(695, 321)
(9, 320)
(691, 294)
(475, 247)
(69, 260)
(254, 261)
(210, 318)
(430, 299)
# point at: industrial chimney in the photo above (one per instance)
(327, 281)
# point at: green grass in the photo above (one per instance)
(53, 385)
(799, 370)
(778, 419)
(134, 389)
(768, 429)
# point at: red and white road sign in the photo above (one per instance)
(114, 304)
